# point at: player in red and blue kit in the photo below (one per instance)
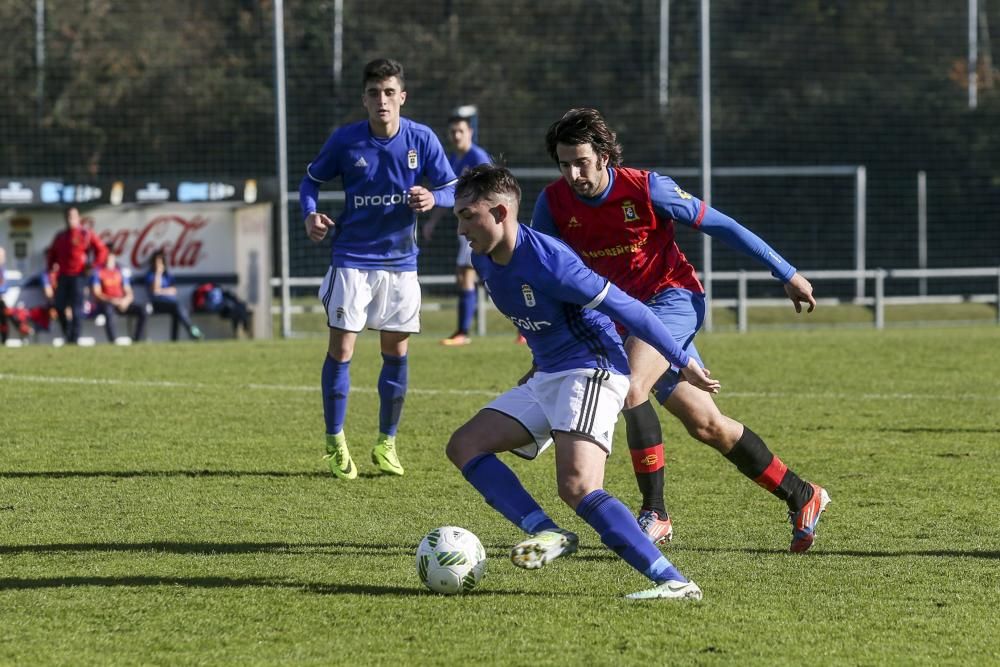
(576, 392)
(466, 155)
(372, 279)
(621, 223)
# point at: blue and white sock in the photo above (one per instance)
(466, 309)
(392, 383)
(620, 533)
(336, 382)
(503, 492)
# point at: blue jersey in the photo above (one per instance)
(166, 280)
(543, 291)
(474, 157)
(377, 228)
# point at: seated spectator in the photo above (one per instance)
(112, 292)
(13, 317)
(212, 298)
(163, 297)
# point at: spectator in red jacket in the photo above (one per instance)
(71, 250)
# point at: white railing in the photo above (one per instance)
(742, 303)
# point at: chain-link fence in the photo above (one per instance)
(142, 89)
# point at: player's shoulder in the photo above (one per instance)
(351, 131)
(416, 130)
(550, 250)
(482, 156)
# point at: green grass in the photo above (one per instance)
(166, 504)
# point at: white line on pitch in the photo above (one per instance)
(168, 384)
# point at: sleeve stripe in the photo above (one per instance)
(311, 177)
(701, 214)
(444, 185)
(596, 301)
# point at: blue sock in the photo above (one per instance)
(503, 492)
(336, 385)
(620, 533)
(466, 309)
(391, 392)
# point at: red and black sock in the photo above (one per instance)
(645, 444)
(752, 457)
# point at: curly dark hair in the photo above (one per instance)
(381, 69)
(584, 126)
(487, 179)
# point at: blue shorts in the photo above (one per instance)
(682, 312)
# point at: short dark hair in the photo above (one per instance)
(584, 126)
(381, 69)
(485, 180)
(460, 119)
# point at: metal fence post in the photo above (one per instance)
(741, 303)
(880, 299)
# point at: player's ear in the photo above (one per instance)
(402, 97)
(499, 213)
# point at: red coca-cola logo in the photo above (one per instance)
(176, 236)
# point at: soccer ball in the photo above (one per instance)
(451, 560)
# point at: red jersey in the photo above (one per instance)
(623, 239)
(70, 248)
(112, 283)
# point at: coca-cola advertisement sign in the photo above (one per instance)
(195, 241)
(178, 236)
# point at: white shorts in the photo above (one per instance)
(584, 401)
(356, 299)
(464, 252)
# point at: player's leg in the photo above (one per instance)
(395, 312)
(465, 281)
(583, 425)
(512, 422)
(392, 384)
(747, 451)
(140, 314)
(645, 439)
(345, 295)
(106, 309)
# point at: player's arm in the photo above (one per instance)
(541, 217)
(572, 281)
(669, 200)
(642, 323)
(319, 171)
(440, 175)
(95, 287)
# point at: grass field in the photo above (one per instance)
(166, 504)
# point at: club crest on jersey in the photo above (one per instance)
(573, 222)
(411, 158)
(629, 209)
(681, 193)
(529, 295)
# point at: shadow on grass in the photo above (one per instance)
(12, 583)
(215, 548)
(67, 474)
(853, 553)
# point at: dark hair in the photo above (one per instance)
(485, 180)
(584, 126)
(382, 69)
(460, 119)
(152, 259)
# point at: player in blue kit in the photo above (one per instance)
(372, 279)
(573, 398)
(466, 155)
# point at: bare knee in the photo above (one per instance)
(572, 491)
(712, 429)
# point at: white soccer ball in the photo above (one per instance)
(451, 560)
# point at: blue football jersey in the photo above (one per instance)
(474, 157)
(377, 228)
(549, 295)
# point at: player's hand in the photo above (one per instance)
(421, 199)
(317, 225)
(699, 377)
(800, 291)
